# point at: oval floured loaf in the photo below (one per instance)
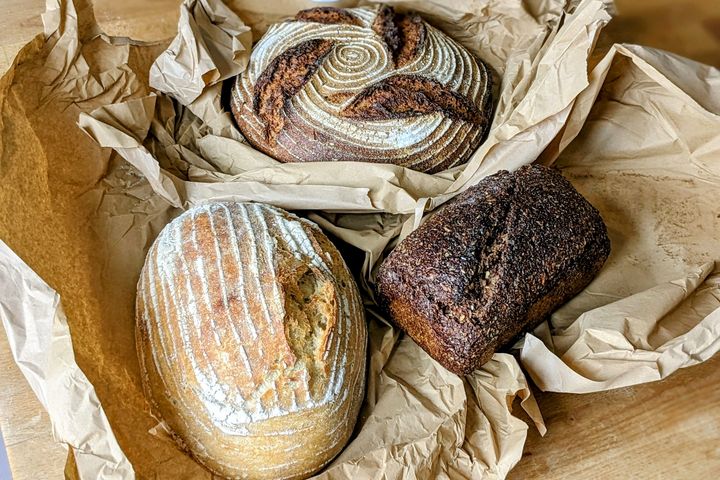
(251, 339)
(363, 84)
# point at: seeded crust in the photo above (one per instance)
(492, 264)
(402, 96)
(283, 79)
(404, 35)
(327, 15)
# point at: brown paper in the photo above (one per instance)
(38, 333)
(643, 144)
(212, 42)
(82, 217)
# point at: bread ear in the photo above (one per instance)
(286, 75)
(403, 96)
(404, 35)
(327, 15)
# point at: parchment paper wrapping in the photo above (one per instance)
(82, 217)
(38, 332)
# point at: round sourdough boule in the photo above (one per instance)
(251, 338)
(363, 84)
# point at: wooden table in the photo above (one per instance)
(604, 435)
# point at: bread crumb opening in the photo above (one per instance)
(310, 309)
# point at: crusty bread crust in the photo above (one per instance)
(491, 264)
(363, 84)
(251, 339)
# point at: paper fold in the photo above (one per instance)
(39, 339)
(212, 44)
(642, 338)
(643, 143)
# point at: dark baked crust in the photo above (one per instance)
(327, 15)
(401, 96)
(302, 107)
(404, 35)
(283, 79)
(491, 264)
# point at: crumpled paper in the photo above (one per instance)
(212, 42)
(643, 145)
(83, 217)
(641, 338)
(37, 328)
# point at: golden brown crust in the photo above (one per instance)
(491, 264)
(251, 340)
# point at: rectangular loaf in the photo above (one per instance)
(492, 263)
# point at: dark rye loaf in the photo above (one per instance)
(491, 264)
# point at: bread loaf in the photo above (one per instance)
(492, 263)
(363, 84)
(251, 340)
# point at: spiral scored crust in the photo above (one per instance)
(251, 339)
(363, 84)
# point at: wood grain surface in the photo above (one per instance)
(669, 429)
